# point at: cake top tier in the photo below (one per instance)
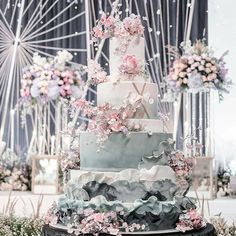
(127, 47)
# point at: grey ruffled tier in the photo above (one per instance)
(155, 215)
(123, 190)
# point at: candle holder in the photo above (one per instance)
(45, 174)
(203, 178)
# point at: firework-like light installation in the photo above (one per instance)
(24, 30)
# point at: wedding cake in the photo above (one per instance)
(130, 178)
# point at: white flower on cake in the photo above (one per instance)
(134, 98)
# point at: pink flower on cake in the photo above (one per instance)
(130, 68)
(190, 220)
(107, 119)
(96, 73)
(130, 64)
(86, 107)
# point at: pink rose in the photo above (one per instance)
(69, 92)
(130, 64)
(63, 92)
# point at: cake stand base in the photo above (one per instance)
(206, 231)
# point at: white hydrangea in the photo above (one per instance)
(38, 60)
(63, 57)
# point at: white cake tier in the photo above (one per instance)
(116, 93)
(149, 125)
(136, 48)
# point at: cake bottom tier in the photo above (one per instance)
(149, 214)
(119, 151)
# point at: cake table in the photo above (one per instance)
(207, 231)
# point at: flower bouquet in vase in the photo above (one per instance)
(49, 84)
(195, 72)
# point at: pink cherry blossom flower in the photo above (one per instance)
(133, 25)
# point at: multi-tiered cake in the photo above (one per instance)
(134, 180)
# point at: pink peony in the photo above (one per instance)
(130, 64)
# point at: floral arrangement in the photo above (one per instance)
(50, 79)
(95, 73)
(124, 31)
(84, 106)
(13, 174)
(222, 228)
(69, 160)
(198, 69)
(90, 221)
(223, 180)
(106, 118)
(190, 220)
(109, 26)
(12, 225)
(182, 167)
(109, 119)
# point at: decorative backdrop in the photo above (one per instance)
(48, 26)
